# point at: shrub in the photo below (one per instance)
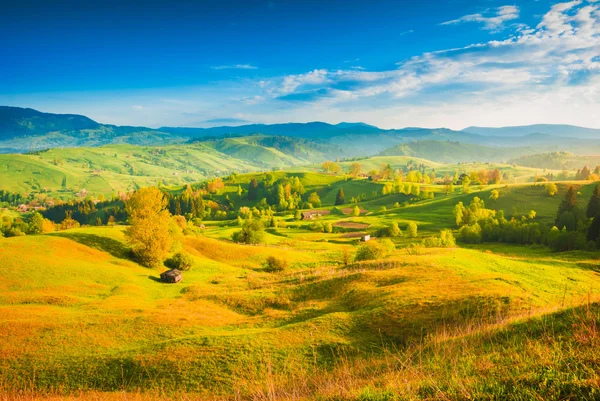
(444, 240)
(551, 189)
(337, 211)
(411, 229)
(181, 261)
(374, 250)
(413, 249)
(393, 230)
(470, 234)
(273, 264)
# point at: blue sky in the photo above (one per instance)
(389, 63)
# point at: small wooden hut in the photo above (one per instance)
(171, 276)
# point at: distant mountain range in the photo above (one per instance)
(23, 130)
(571, 131)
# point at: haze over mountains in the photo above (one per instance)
(24, 130)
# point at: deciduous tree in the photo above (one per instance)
(149, 221)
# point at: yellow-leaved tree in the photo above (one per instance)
(149, 234)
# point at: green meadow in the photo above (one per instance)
(82, 319)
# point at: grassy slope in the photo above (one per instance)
(120, 167)
(73, 302)
(454, 152)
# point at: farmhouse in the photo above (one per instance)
(171, 276)
(312, 214)
(365, 237)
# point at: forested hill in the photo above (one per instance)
(24, 130)
(455, 152)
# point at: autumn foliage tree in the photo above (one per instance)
(149, 218)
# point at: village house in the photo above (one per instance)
(312, 214)
(171, 276)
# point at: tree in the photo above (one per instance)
(465, 184)
(393, 230)
(568, 203)
(494, 195)
(593, 207)
(340, 199)
(36, 224)
(551, 189)
(355, 169)
(253, 190)
(252, 232)
(411, 229)
(567, 220)
(496, 177)
(149, 222)
(314, 199)
(355, 211)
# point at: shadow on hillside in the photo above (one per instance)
(114, 247)
(154, 278)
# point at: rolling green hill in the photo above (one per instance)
(557, 161)
(113, 168)
(230, 326)
(454, 152)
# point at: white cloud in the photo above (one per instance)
(234, 67)
(552, 68)
(137, 107)
(491, 23)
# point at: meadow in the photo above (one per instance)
(82, 319)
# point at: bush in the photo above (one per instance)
(393, 230)
(374, 250)
(181, 261)
(273, 264)
(444, 240)
(470, 234)
(337, 211)
(411, 229)
(413, 249)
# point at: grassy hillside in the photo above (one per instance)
(80, 315)
(454, 152)
(557, 161)
(114, 168)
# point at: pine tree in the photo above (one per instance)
(568, 203)
(253, 190)
(593, 208)
(340, 199)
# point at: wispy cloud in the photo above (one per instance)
(493, 21)
(137, 107)
(552, 67)
(234, 67)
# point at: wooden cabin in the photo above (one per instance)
(171, 276)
